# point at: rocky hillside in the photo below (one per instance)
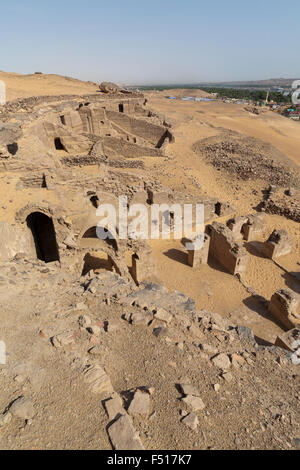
(109, 365)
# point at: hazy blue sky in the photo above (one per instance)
(152, 41)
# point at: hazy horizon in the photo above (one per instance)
(157, 83)
(148, 44)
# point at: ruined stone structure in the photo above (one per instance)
(110, 130)
(224, 248)
(247, 227)
(278, 244)
(196, 257)
(142, 266)
(289, 340)
(255, 225)
(284, 306)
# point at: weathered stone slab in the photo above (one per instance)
(98, 381)
(123, 436)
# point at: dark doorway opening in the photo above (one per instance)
(161, 141)
(109, 240)
(43, 232)
(58, 144)
(97, 262)
(121, 108)
(44, 181)
(12, 148)
(218, 207)
(95, 201)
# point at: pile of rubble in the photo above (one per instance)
(247, 158)
(283, 202)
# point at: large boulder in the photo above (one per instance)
(109, 87)
(13, 240)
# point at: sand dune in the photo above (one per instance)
(24, 86)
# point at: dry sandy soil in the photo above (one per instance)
(24, 86)
(267, 418)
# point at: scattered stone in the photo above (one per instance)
(208, 348)
(19, 379)
(191, 421)
(195, 331)
(154, 296)
(97, 350)
(161, 331)
(297, 443)
(63, 339)
(70, 241)
(141, 318)
(123, 436)
(245, 334)
(188, 389)
(98, 381)
(5, 419)
(114, 407)
(112, 325)
(140, 404)
(84, 321)
(217, 387)
(195, 403)
(237, 361)
(295, 357)
(94, 330)
(152, 416)
(228, 377)
(163, 315)
(290, 192)
(289, 340)
(222, 362)
(81, 306)
(22, 408)
(94, 340)
(281, 361)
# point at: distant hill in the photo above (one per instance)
(24, 86)
(285, 83)
(272, 82)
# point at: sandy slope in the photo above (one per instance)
(271, 127)
(183, 92)
(24, 86)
